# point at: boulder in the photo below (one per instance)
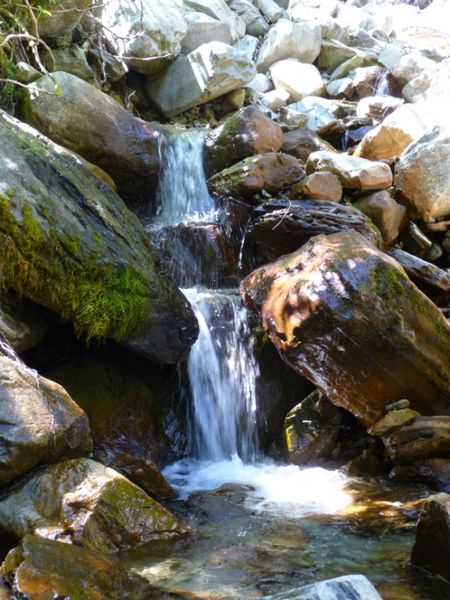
(387, 214)
(405, 125)
(392, 420)
(353, 173)
(367, 80)
(74, 247)
(147, 35)
(289, 40)
(419, 438)
(434, 472)
(422, 175)
(377, 107)
(318, 186)
(430, 86)
(69, 58)
(410, 66)
(126, 147)
(431, 550)
(311, 429)
(279, 227)
(39, 569)
(210, 71)
(275, 99)
(422, 271)
(203, 29)
(334, 53)
(297, 78)
(270, 9)
(243, 134)
(271, 172)
(255, 24)
(20, 323)
(61, 22)
(321, 114)
(219, 10)
(247, 46)
(350, 587)
(82, 502)
(302, 142)
(39, 420)
(346, 316)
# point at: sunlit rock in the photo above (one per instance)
(350, 587)
(302, 142)
(219, 10)
(419, 438)
(387, 214)
(318, 186)
(203, 29)
(53, 23)
(255, 24)
(299, 79)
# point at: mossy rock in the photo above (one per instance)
(70, 244)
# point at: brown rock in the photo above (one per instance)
(392, 420)
(434, 472)
(387, 214)
(422, 271)
(318, 186)
(423, 437)
(302, 142)
(347, 317)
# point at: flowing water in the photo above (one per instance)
(261, 528)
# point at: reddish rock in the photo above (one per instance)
(387, 214)
(318, 186)
(301, 142)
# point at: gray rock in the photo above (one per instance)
(348, 587)
(69, 58)
(270, 9)
(218, 9)
(431, 85)
(212, 70)
(247, 46)
(21, 325)
(203, 29)
(255, 24)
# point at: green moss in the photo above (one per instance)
(389, 281)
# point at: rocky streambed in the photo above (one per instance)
(224, 304)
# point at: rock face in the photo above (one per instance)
(210, 71)
(111, 137)
(422, 175)
(245, 133)
(353, 173)
(73, 247)
(40, 421)
(431, 549)
(82, 502)
(347, 317)
(39, 569)
(271, 171)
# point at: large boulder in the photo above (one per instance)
(297, 78)
(210, 71)
(40, 421)
(147, 35)
(80, 501)
(431, 85)
(40, 569)
(255, 24)
(422, 175)
(245, 133)
(347, 317)
(219, 10)
(111, 137)
(71, 245)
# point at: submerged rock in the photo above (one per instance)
(348, 587)
(39, 420)
(80, 501)
(72, 245)
(347, 317)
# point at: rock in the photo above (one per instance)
(20, 323)
(366, 80)
(25, 73)
(69, 58)
(320, 114)
(405, 125)
(311, 429)
(392, 420)
(106, 64)
(40, 421)
(318, 186)
(147, 35)
(289, 40)
(210, 71)
(350, 587)
(422, 271)
(347, 67)
(333, 54)
(82, 502)
(62, 22)
(387, 214)
(434, 472)
(353, 173)
(259, 84)
(203, 29)
(431, 85)
(302, 142)
(297, 78)
(346, 316)
(270, 9)
(377, 107)
(247, 46)
(277, 228)
(111, 137)
(243, 134)
(422, 175)
(41, 568)
(275, 99)
(75, 248)
(218, 9)
(340, 88)
(431, 550)
(271, 172)
(255, 24)
(420, 438)
(410, 66)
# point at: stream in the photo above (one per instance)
(260, 528)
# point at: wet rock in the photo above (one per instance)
(302, 142)
(422, 175)
(420, 438)
(61, 23)
(80, 501)
(297, 78)
(40, 569)
(289, 40)
(347, 317)
(402, 127)
(434, 472)
(422, 271)
(431, 550)
(75, 248)
(280, 227)
(111, 137)
(210, 71)
(203, 29)
(387, 214)
(353, 173)
(318, 186)
(20, 323)
(366, 79)
(392, 420)
(271, 172)
(319, 114)
(39, 420)
(350, 587)
(243, 134)
(311, 429)
(255, 24)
